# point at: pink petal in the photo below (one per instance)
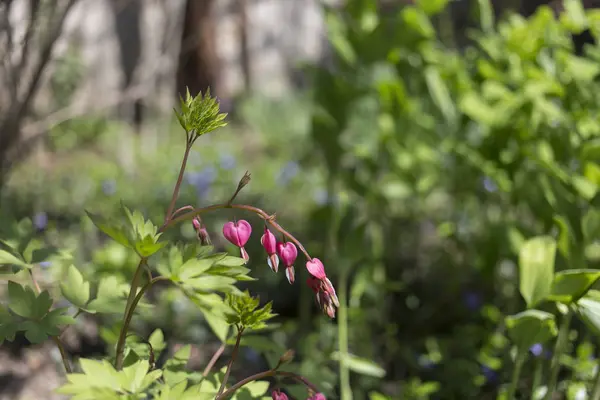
(288, 253)
(273, 262)
(245, 255)
(196, 223)
(268, 241)
(244, 230)
(290, 274)
(237, 233)
(331, 291)
(316, 268)
(230, 233)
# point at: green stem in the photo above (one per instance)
(559, 348)
(266, 374)
(171, 207)
(346, 389)
(230, 364)
(57, 342)
(512, 389)
(63, 354)
(132, 302)
(537, 376)
(596, 389)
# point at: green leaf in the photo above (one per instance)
(74, 288)
(194, 267)
(417, 21)
(359, 365)
(42, 304)
(486, 15)
(590, 225)
(218, 324)
(174, 369)
(208, 284)
(570, 285)
(530, 327)
(34, 332)
(588, 309)
(432, 7)
(246, 312)
(536, 265)
(252, 391)
(439, 92)
(21, 300)
(114, 230)
(574, 16)
(200, 114)
(7, 258)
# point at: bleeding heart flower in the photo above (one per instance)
(288, 253)
(238, 233)
(269, 243)
(325, 294)
(316, 268)
(277, 395)
(318, 396)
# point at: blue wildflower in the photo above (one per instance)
(227, 161)
(489, 185)
(289, 171)
(472, 300)
(320, 197)
(40, 220)
(202, 180)
(109, 187)
(489, 373)
(45, 264)
(536, 349)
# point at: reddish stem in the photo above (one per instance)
(267, 374)
(214, 359)
(168, 215)
(261, 213)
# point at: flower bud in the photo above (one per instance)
(201, 232)
(238, 233)
(318, 396)
(277, 395)
(287, 357)
(269, 243)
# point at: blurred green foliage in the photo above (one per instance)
(414, 169)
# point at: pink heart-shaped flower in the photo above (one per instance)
(238, 232)
(287, 252)
(316, 268)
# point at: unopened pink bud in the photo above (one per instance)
(269, 242)
(318, 396)
(277, 395)
(316, 268)
(196, 223)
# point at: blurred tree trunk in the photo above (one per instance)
(242, 13)
(24, 66)
(198, 62)
(127, 15)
